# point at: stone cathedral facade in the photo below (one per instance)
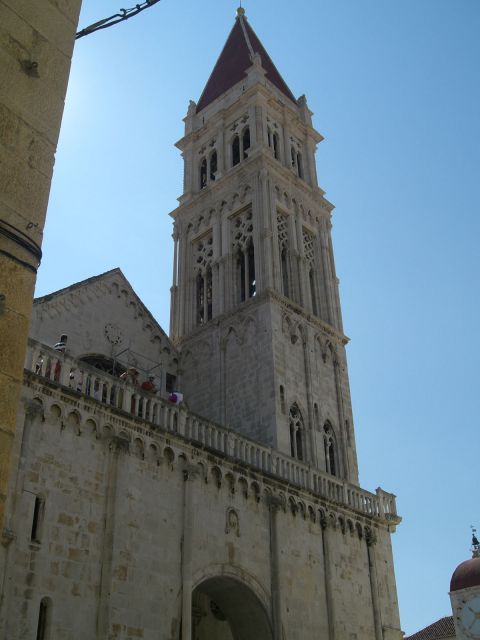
(224, 503)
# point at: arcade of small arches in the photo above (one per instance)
(158, 452)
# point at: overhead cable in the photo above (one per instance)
(124, 14)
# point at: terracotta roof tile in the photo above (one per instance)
(443, 628)
(233, 62)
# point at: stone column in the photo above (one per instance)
(266, 235)
(277, 269)
(372, 569)
(327, 274)
(220, 151)
(174, 288)
(37, 40)
(312, 457)
(258, 209)
(341, 416)
(116, 447)
(327, 573)
(274, 506)
(188, 524)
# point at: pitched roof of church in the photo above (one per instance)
(76, 285)
(234, 61)
(102, 276)
(443, 628)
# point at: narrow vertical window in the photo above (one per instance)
(269, 136)
(296, 433)
(282, 398)
(200, 299)
(286, 291)
(330, 450)
(246, 141)
(299, 165)
(299, 444)
(316, 416)
(44, 612)
(276, 151)
(37, 521)
(331, 455)
(251, 270)
(209, 293)
(241, 275)
(235, 151)
(292, 155)
(203, 173)
(292, 441)
(311, 277)
(213, 165)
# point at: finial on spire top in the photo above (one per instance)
(240, 11)
(475, 543)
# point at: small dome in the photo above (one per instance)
(467, 574)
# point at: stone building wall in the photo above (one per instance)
(125, 503)
(36, 44)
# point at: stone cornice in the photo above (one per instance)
(318, 496)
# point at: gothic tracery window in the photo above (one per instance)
(283, 249)
(330, 448)
(244, 256)
(235, 150)
(213, 165)
(309, 253)
(276, 146)
(245, 141)
(299, 165)
(203, 173)
(203, 256)
(297, 433)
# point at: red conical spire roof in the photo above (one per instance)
(235, 59)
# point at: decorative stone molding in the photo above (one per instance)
(232, 522)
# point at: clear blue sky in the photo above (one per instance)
(395, 87)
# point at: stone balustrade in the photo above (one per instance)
(62, 369)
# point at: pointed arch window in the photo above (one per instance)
(209, 292)
(282, 398)
(245, 273)
(276, 146)
(313, 291)
(243, 250)
(297, 433)
(299, 165)
(203, 280)
(284, 267)
(200, 287)
(250, 260)
(213, 165)
(235, 150)
(203, 173)
(245, 142)
(330, 448)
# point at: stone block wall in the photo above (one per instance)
(118, 525)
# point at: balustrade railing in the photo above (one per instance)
(86, 380)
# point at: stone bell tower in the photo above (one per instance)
(255, 303)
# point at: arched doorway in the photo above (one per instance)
(225, 609)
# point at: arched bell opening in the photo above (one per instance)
(225, 609)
